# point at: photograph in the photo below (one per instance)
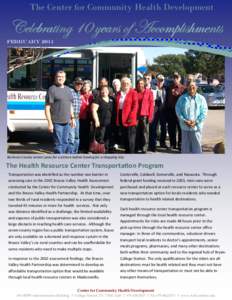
(113, 113)
(126, 100)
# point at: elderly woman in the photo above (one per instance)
(102, 108)
(85, 116)
(116, 83)
(145, 115)
(126, 114)
(191, 110)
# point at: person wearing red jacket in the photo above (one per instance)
(84, 115)
(126, 114)
(144, 115)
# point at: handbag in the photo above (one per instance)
(96, 147)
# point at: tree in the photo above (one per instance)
(18, 57)
(192, 62)
(210, 65)
(168, 64)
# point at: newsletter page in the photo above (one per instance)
(116, 150)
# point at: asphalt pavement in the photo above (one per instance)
(41, 142)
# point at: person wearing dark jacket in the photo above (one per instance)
(175, 90)
(102, 110)
(159, 116)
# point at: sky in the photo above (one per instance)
(152, 52)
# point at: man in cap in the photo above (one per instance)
(191, 110)
(74, 134)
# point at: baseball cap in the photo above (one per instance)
(78, 80)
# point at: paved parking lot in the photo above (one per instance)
(41, 142)
(214, 129)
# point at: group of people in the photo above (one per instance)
(124, 116)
